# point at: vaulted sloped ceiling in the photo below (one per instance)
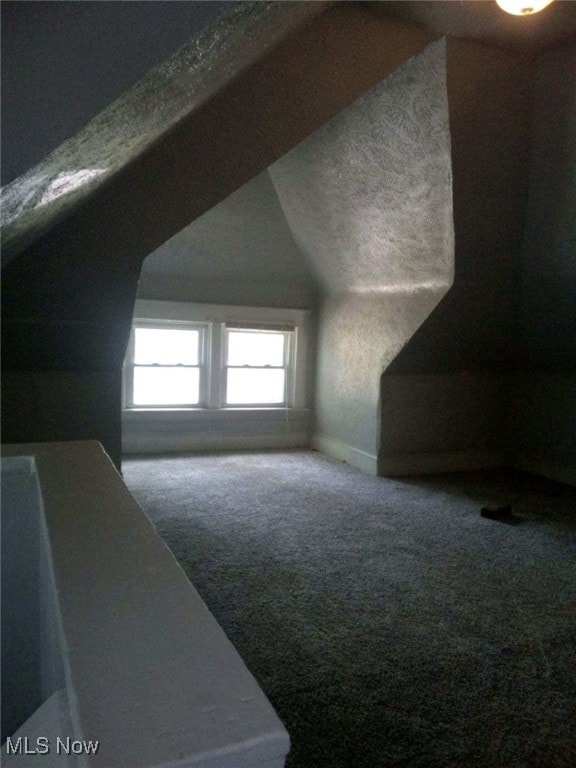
(363, 209)
(369, 196)
(139, 118)
(207, 91)
(65, 62)
(241, 251)
(69, 289)
(228, 106)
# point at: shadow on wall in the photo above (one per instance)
(442, 422)
(488, 380)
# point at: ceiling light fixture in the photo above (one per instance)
(523, 7)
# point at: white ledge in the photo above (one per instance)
(150, 674)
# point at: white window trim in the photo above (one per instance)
(287, 363)
(214, 319)
(128, 372)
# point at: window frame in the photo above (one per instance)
(215, 320)
(130, 364)
(287, 366)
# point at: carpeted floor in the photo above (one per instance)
(388, 623)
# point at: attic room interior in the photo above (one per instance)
(304, 274)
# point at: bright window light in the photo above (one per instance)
(166, 369)
(213, 364)
(166, 386)
(256, 367)
(159, 346)
(245, 386)
(256, 348)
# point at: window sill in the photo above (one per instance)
(190, 414)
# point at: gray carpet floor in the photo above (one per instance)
(388, 623)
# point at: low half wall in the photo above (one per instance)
(148, 678)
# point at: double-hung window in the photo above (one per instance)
(165, 365)
(258, 366)
(214, 362)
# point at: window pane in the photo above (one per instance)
(263, 387)
(166, 346)
(166, 386)
(255, 348)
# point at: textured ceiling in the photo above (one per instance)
(64, 62)
(369, 196)
(51, 190)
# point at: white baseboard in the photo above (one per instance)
(390, 465)
(553, 471)
(366, 462)
(139, 444)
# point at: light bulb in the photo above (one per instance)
(523, 7)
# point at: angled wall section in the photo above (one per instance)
(369, 201)
(445, 398)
